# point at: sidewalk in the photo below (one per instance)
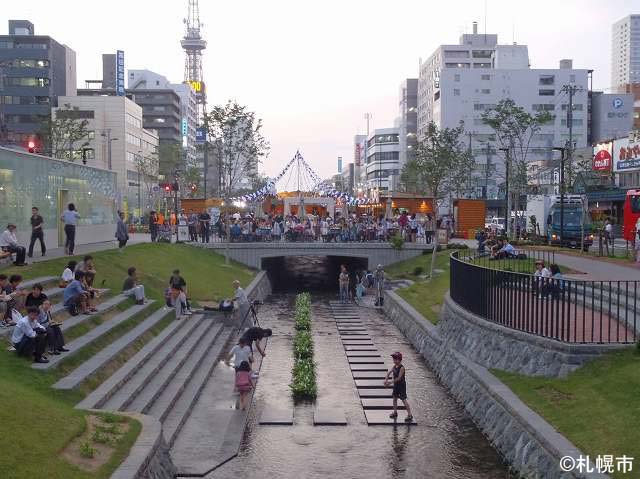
(598, 270)
(86, 248)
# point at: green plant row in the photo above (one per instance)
(303, 377)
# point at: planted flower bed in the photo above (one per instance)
(303, 381)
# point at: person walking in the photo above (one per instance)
(398, 376)
(70, 219)
(36, 232)
(153, 226)
(205, 220)
(121, 231)
(343, 282)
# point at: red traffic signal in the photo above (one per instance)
(194, 187)
(167, 187)
(31, 146)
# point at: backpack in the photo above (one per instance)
(73, 309)
(225, 305)
(243, 379)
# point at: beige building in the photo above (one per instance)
(118, 143)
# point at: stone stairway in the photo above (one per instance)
(165, 378)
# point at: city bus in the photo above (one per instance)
(631, 213)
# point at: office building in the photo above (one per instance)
(360, 161)
(35, 70)
(460, 82)
(611, 116)
(625, 51)
(383, 160)
(408, 119)
(120, 144)
(167, 107)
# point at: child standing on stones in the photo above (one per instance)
(244, 382)
(397, 374)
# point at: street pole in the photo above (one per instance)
(507, 163)
(486, 173)
(562, 155)
(206, 156)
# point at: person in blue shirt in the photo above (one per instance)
(75, 296)
(70, 219)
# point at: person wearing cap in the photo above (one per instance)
(9, 243)
(379, 279)
(397, 375)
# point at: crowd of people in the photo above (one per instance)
(312, 227)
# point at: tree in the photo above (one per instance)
(236, 134)
(62, 131)
(170, 157)
(514, 128)
(442, 162)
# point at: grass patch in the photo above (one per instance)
(597, 407)
(425, 296)
(42, 420)
(303, 381)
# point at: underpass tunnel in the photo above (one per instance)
(290, 274)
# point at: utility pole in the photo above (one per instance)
(487, 172)
(567, 152)
(205, 155)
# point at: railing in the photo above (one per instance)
(567, 310)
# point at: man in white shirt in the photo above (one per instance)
(240, 352)
(9, 243)
(541, 279)
(240, 300)
(29, 337)
(608, 231)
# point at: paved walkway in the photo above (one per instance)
(599, 270)
(86, 248)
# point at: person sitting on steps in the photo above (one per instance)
(55, 338)
(75, 298)
(67, 274)
(130, 287)
(29, 338)
(9, 244)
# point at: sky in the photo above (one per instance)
(311, 69)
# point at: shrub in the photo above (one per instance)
(397, 241)
(101, 438)
(418, 270)
(303, 380)
(86, 450)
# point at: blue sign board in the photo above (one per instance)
(120, 73)
(201, 135)
(617, 102)
(185, 127)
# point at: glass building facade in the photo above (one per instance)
(28, 180)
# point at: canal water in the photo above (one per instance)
(444, 444)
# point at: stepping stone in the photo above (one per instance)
(358, 343)
(278, 417)
(368, 360)
(354, 337)
(368, 367)
(370, 384)
(360, 348)
(380, 403)
(349, 322)
(377, 417)
(351, 327)
(353, 333)
(328, 416)
(363, 354)
(375, 393)
(369, 375)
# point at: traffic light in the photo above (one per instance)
(194, 187)
(167, 187)
(31, 146)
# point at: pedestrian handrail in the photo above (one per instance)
(567, 310)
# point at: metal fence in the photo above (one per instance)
(567, 310)
(521, 261)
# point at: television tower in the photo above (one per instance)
(193, 44)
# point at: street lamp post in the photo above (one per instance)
(107, 134)
(562, 155)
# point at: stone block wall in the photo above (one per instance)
(526, 441)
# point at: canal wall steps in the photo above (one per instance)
(527, 442)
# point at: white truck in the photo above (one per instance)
(547, 212)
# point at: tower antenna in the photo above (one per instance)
(193, 44)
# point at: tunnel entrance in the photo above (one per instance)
(309, 273)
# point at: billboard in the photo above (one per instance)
(120, 73)
(626, 153)
(602, 156)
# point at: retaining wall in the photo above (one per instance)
(526, 441)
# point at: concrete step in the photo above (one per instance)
(156, 385)
(179, 413)
(197, 360)
(145, 368)
(43, 280)
(53, 292)
(77, 344)
(95, 363)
